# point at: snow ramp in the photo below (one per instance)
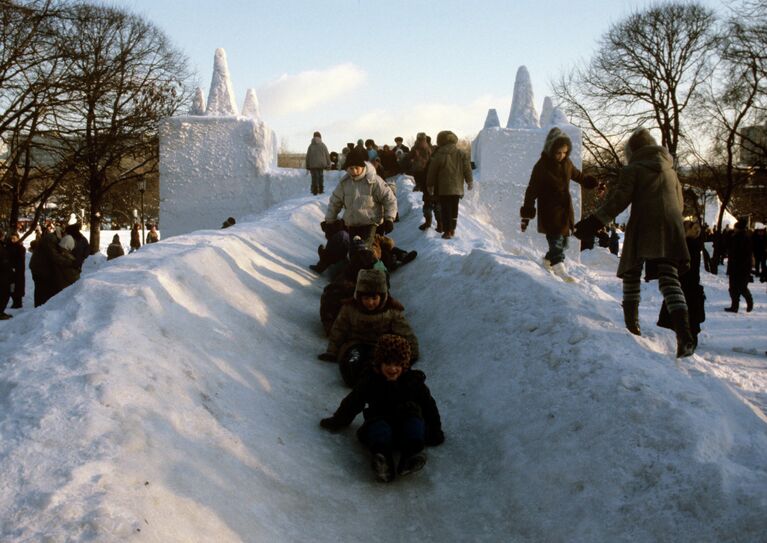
(174, 395)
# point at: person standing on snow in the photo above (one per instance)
(448, 169)
(740, 260)
(550, 186)
(115, 249)
(317, 161)
(135, 238)
(655, 236)
(17, 253)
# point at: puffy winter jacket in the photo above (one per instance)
(365, 201)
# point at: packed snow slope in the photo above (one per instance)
(174, 395)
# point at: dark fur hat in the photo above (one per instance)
(392, 349)
(371, 282)
(356, 157)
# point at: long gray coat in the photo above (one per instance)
(655, 229)
(317, 155)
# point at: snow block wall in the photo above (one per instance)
(505, 158)
(216, 163)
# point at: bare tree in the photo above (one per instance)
(124, 77)
(645, 72)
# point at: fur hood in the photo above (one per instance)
(446, 137)
(554, 140)
(641, 137)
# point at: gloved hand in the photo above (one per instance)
(434, 438)
(388, 226)
(587, 228)
(470, 186)
(332, 424)
(524, 223)
(327, 357)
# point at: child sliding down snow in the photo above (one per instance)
(361, 321)
(398, 408)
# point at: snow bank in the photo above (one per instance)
(174, 394)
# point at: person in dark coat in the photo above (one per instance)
(758, 239)
(361, 321)
(135, 238)
(449, 169)
(399, 411)
(153, 236)
(6, 277)
(549, 186)
(615, 241)
(17, 254)
(655, 237)
(740, 259)
(53, 268)
(115, 248)
(694, 294)
(417, 164)
(82, 249)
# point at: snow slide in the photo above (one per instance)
(174, 395)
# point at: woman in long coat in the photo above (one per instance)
(654, 234)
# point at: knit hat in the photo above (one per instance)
(317, 135)
(392, 349)
(116, 238)
(371, 282)
(356, 157)
(358, 244)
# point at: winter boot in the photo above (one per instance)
(749, 302)
(411, 464)
(447, 235)
(426, 225)
(546, 263)
(409, 257)
(631, 317)
(322, 265)
(685, 344)
(439, 229)
(560, 271)
(383, 467)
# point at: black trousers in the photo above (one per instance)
(449, 211)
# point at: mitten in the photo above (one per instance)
(327, 357)
(332, 424)
(388, 226)
(470, 186)
(524, 224)
(434, 438)
(587, 228)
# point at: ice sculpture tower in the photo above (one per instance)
(216, 163)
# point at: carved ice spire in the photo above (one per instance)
(546, 111)
(558, 118)
(522, 114)
(198, 103)
(492, 120)
(250, 108)
(221, 96)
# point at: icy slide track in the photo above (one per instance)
(174, 395)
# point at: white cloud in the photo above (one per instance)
(307, 90)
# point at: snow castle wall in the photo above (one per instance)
(505, 158)
(216, 164)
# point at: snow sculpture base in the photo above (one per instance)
(506, 157)
(212, 168)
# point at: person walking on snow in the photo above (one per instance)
(317, 161)
(549, 186)
(740, 259)
(655, 236)
(448, 169)
(399, 410)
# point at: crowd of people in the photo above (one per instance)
(57, 256)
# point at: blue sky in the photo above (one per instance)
(358, 69)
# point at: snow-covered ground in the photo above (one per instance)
(174, 395)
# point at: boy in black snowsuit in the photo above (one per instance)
(399, 411)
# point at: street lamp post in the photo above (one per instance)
(141, 189)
